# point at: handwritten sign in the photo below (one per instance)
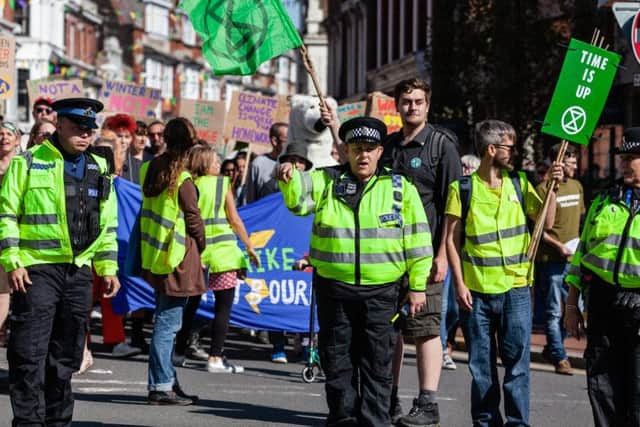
(54, 88)
(250, 117)
(140, 102)
(207, 117)
(351, 111)
(383, 107)
(7, 66)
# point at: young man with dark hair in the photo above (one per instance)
(427, 155)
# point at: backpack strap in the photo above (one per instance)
(464, 183)
(515, 180)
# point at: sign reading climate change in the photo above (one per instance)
(581, 92)
(273, 297)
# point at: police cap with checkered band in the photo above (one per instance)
(363, 129)
(79, 110)
(630, 142)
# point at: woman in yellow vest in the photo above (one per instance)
(222, 256)
(171, 241)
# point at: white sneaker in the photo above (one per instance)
(221, 365)
(448, 363)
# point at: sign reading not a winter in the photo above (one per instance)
(140, 102)
(581, 92)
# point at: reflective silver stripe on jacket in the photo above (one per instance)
(40, 244)
(609, 265)
(161, 246)
(350, 258)
(106, 256)
(218, 201)
(149, 214)
(221, 238)
(9, 216)
(485, 238)
(306, 187)
(39, 219)
(370, 233)
(9, 242)
(494, 261)
(214, 221)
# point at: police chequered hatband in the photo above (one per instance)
(629, 146)
(363, 133)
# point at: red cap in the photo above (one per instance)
(43, 100)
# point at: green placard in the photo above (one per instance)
(581, 92)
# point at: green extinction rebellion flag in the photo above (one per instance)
(239, 35)
(581, 92)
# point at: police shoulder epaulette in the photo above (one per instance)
(28, 157)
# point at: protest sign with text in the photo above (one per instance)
(581, 92)
(54, 88)
(351, 111)
(383, 107)
(7, 66)
(250, 117)
(125, 97)
(207, 117)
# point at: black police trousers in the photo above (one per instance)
(356, 343)
(613, 360)
(48, 329)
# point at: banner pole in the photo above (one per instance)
(308, 65)
(539, 227)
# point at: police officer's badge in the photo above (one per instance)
(416, 162)
(88, 112)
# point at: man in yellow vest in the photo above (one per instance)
(606, 269)
(491, 271)
(59, 215)
(369, 230)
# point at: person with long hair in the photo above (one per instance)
(172, 238)
(41, 130)
(222, 256)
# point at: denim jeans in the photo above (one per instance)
(168, 322)
(449, 317)
(553, 290)
(507, 316)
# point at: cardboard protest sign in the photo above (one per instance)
(284, 109)
(250, 117)
(7, 66)
(581, 92)
(351, 111)
(54, 88)
(207, 117)
(383, 107)
(140, 102)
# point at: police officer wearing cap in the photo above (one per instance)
(369, 230)
(59, 216)
(606, 270)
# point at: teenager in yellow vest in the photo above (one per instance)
(490, 268)
(222, 256)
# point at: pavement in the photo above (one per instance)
(574, 348)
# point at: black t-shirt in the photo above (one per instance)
(431, 162)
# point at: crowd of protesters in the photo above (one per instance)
(477, 210)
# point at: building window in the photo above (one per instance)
(23, 95)
(211, 89)
(153, 74)
(190, 88)
(156, 20)
(21, 16)
(188, 33)
(167, 81)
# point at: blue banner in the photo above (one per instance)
(272, 298)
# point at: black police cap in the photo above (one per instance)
(630, 142)
(80, 110)
(363, 129)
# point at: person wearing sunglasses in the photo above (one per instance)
(42, 110)
(41, 130)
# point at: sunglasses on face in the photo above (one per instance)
(45, 110)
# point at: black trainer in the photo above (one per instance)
(395, 410)
(167, 398)
(423, 414)
(180, 393)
